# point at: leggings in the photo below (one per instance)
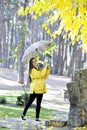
(38, 103)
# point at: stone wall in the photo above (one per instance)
(77, 90)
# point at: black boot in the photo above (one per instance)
(37, 119)
(22, 117)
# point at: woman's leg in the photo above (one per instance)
(31, 99)
(38, 102)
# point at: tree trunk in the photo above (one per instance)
(71, 68)
(21, 68)
(1, 20)
(21, 74)
(21, 64)
(61, 60)
(1, 27)
(4, 47)
(54, 63)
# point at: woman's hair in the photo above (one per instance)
(30, 68)
(30, 64)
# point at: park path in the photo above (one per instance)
(53, 99)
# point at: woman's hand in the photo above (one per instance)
(46, 65)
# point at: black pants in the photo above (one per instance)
(38, 103)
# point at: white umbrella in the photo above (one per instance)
(36, 49)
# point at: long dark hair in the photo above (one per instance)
(30, 68)
(30, 64)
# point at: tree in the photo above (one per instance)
(1, 25)
(49, 25)
(19, 52)
(72, 16)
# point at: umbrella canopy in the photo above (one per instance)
(36, 49)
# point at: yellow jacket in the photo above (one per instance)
(38, 84)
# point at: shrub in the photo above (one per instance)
(21, 100)
(3, 100)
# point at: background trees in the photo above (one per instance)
(65, 22)
(24, 22)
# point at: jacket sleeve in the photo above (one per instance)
(38, 74)
(47, 73)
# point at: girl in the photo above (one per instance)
(37, 86)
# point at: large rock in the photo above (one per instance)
(77, 91)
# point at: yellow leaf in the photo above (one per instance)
(85, 40)
(27, 10)
(35, 17)
(73, 42)
(64, 36)
(50, 128)
(78, 38)
(48, 31)
(54, 36)
(44, 25)
(20, 11)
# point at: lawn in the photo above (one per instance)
(7, 111)
(4, 128)
(10, 109)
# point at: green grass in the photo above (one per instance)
(7, 111)
(10, 109)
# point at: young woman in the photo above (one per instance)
(37, 86)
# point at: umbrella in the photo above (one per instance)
(36, 49)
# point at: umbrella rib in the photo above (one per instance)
(39, 51)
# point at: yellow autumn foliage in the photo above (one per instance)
(81, 128)
(72, 14)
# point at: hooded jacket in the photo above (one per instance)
(38, 77)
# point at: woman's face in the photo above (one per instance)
(34, 62)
